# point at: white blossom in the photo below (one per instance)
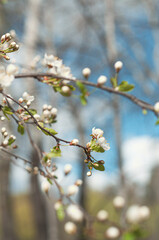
(37, 116)
(144, 213)
(72, 190)
(27, 97)
(54, 111)
(45, 186)
(102, 215)
(112, 233)
(119, 202)
(70, 228)
(7, 75)
(74, 212)
(97, 132)
(103, 143)
(57, 205)
(133, 214)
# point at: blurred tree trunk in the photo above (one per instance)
(112, 55)
(6, 216)
(38, 204)
(31, 34)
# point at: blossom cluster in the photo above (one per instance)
(98, 140)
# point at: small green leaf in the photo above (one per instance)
(124, 86)
(49, 180)
(83, 100)
(114, 82)
(21, 129)
(60, 213)
(7, 110)
(96, 147)
(157, 122)
(32, 111)
(81, 87)
(144, 111)
(50, 130)
(10, 141)
(55, 152)
(128, 236)
(99, 167)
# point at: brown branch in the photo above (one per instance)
(137, 101)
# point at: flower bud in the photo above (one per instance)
(119, 202)
(72, 190)
(102, 215)
(89, 173)
(118, 66)
(156, 107)
(67, 168)
(3, 130)
(45, 186)
(101, 80)
(5, 143)
(65, 89)
(78, 182)
(54, 111)
(37, 117)
(86, 72)
(70, 228)
(2, 118)
(74, 142)
(35, 170)
(46, 113)
(144, 213)
(75, 213)
(112, 233)
(133, 214)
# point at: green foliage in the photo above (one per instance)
(134, 234)
(7, 111)
(10, 141)
(60, 213)
(84, 92)
(99, 167)
(56, 151)
(96, 147)
(157, 122)
(114, 82)
(32, 111)
(21, 129)
(49, 130)
(124, 86)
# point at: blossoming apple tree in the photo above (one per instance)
(59, 77)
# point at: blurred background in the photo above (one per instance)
(94, 34)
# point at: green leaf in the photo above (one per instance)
(128, 236)
(124, 86)
(72, 88)
(32, 111)
(81, 87)
(49, 180)
(55, 152)
(50, 130)
(83, 100)
(99, 167)
(7, 110)
(114, 82)
(60, 213)
(10, 141)
(96, 147)
(21, 129)
(157, 122)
